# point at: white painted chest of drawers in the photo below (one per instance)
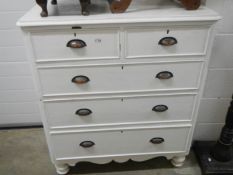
(131, 91)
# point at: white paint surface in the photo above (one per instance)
(20, 89)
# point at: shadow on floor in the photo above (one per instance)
(87, 168)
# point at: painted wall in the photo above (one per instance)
(219, 85)
(17, 95)
(18, 104)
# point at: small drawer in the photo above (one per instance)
(147, 141)
(103, 79)
(157, 42)
(119, 110)
(75, 45)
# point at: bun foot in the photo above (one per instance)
(44, 14)
(85, 5)
(62, 169)
(119, 6)
(85, 13)
(191, 4)
(54, 2)
(43, 5)
(178, 161)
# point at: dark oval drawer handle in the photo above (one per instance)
(164, 75)
(87, 144)
(160, 108)
(168, 41)
(157, 140)
(76, 44)
(81, 79)
(83, 112)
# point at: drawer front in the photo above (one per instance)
(71, 45)
(166, 42)
(115, 78)
(122, 110)
(119, 142)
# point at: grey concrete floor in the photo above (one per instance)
(24, 152)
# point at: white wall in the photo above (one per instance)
(17, 95)
(219, 85)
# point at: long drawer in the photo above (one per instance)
(167, 41)
(117, 78)
(119, 110)
(119, 142)
(75, 44)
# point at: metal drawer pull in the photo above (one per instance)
(76, 44)
(168, 41)
(164, 75)
(81, 79)
(83, 112)
(160, 108)
(157, 140)
(87, 144)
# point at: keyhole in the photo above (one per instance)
(75, 34)
(168, 31)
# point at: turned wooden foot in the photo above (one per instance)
(62, 168)
(191, 4)
(178, 161)
(84, 5)
(54, 2)
(119, 6)
(43, 5)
